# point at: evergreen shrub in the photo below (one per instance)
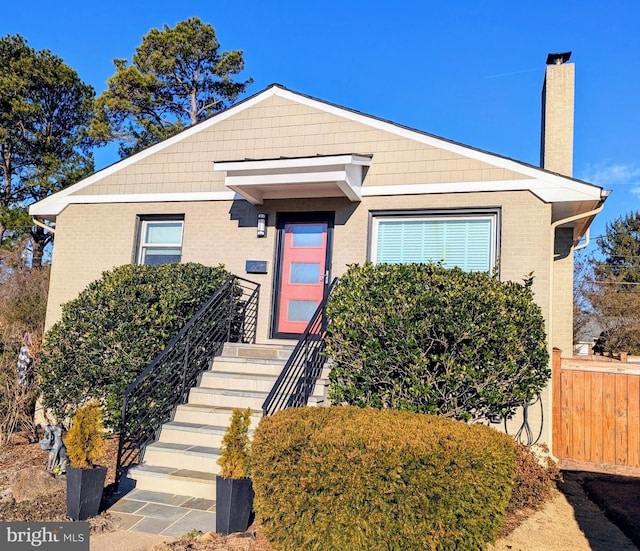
(367, 479)
(235, 452)
(428, 339)
(114, 328)
(84, 442)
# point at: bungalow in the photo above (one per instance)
(287, 190)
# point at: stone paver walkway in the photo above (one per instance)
(163, 514)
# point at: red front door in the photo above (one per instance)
(303, 274)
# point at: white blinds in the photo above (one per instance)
(463, 242)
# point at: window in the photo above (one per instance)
(160, 240)
(464, 239)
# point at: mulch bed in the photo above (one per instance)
(22, 453)
(617, 496)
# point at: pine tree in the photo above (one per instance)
(45, 111)
(615, 291)
(177, 78)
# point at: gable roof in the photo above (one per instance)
(569, 196)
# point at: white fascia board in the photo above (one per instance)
(285, 163)
(298, 178)
(542, 189)
(350, 192)
(55, 207)
(352, 186)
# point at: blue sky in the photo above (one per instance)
(465, 70)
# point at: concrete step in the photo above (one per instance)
(183, 456)
(210, 415)
(184, 459)
(315, 401)
(322, 387)
(237, 381)
(257, 351)
(267, 367)
(171, 480)
(221, 397)
(194, 434)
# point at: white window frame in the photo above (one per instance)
(492, 214)
(143, 246)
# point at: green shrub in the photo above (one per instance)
(424, 338)
(114, 328)
(364, 479)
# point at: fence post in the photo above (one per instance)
(556, 403)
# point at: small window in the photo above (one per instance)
(160, 241)
(465, 240)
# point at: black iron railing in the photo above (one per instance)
(296, 381)
(230, 315)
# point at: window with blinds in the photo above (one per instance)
(468, 242)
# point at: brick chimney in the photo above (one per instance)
(556, 148)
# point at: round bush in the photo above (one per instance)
(424, 338)
(114, 328)
(366, 479)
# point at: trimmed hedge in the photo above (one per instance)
(114, 328)
(365, 479)
(428, 339)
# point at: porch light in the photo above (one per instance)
(262, 225)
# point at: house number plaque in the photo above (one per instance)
(256, 266)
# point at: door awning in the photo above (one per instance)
(296, 178)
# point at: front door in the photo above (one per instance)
(303, 270)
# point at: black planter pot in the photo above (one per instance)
(84, 491)
(234, 501)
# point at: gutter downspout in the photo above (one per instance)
(587, 240)
(43, 225)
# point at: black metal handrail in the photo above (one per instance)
(296, 381)
(230, 315)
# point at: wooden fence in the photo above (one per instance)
(596, 413)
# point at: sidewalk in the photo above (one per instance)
(122, 540)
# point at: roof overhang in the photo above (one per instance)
(296, 178)
(577, 215)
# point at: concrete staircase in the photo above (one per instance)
(183, 460)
